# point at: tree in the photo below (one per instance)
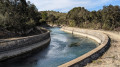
(18, 16)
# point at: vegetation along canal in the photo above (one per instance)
(63, 48)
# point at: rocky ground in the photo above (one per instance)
(112, 57)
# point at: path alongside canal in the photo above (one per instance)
(112, 57)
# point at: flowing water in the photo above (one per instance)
(58, 52)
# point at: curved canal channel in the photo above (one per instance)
(63, 48)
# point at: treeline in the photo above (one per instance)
(21, 17)
(18, 16)
(52, 17)
(107, 18)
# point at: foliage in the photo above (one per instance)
(18, 16)
(44, 17)
(108, 18)
(55, 17)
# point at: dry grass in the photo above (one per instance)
(112, 57)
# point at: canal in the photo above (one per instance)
(63, 48)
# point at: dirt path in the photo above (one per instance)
(112, 57)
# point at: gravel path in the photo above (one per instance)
(112, 57)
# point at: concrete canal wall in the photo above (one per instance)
(101, 38)
(17, 46)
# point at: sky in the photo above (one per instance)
(67, 5)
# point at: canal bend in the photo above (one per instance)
(64, 47)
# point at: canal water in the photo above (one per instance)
(63, 48)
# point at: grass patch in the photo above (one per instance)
(97, 61)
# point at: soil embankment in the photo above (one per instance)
(112, 57)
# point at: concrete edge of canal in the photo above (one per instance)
(101, 38)
(10, 48)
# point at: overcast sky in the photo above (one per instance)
(66, 5)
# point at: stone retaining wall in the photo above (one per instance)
(16, 46)
(101, 38)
